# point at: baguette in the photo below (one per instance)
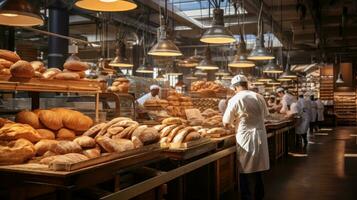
(181, 135)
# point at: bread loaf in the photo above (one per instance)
(114, 130)
(147, 136)
(137, 142)
(64, 147)
(174, 132)
(51, 73)
(92, 153)
(50, 119)
(138, 131)
(28, 117)
(76, 65)
(117, 145)
(17, 131)
(85, 141)
(69, 158)
(9, 55)
(45, 145)
(38, 66)
(220, 131)
(92, 132)
(5, 72)
(192, 137)
(67, 76)
(124, 145)
(46, 134)
(77, 121)
(110, 123)
(124, 133)
(22, 69)
(81, 74)
(181, 135)
(167, 130)
(4, 121)
(160, 127)
(66, 134)
(6, 63)
(172, 120)
(16, 152)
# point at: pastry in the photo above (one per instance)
(181, 135)
(85, 141)
(64, 147)
(192, 136)
(51, 73)
(45, 145)
(16, 152)
(66, 134)
(28, 117)
(92, 132)
(50, 119)
(5, 63)
(22, 69)
(174, 132)
(75, 65)
(46, 134)
(92, 153)
(9, 55)
(16, 131)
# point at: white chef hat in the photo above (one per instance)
(238, 79)
(153, 87)
(272, 96)
(280, 90)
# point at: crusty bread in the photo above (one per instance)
(138, 131)
(172, 120)
(69, 158)
(28, 117)
(5, 71)
(218, 130)
(6, 63)
(22, 69)
(4, 121)
(167, 130)
(137, 142)
(9, 55)
(92, 132)
(114, 130)
(17, 131)
(51, 73)
(38, 66)
(92, 153)
(16, 152)
(147, 136)
(76, 65)
(50, 119)
(160, 127)
(192, 136)
(77, 121)
(64, 147)
(81, 74)
(46, 134)
(114, 145)
(110, 123)
(45, 145)
(66, 134)
(174, 132)
(85, 141)
(67, 76)
(181, 135)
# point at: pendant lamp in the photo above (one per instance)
(272, 68)
(160, 76)
(164, 46)
(120, 59)
(340, 78)
(207, 63)
(222, 72)
(264, 78)
(240, 59)
(200, 73)
(288, 74)
(145, 69)
(106, 5)
(19, 13)
(173, 71)
(217, 34)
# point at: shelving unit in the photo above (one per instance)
(345, 108)
(326, 88)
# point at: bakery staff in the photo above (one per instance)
(154, 93)
(286, 100)
(313, 114)
(247, 110)
(271, 101)
(320, 112)
(302, 125)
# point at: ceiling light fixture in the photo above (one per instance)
(200, 73)
(107, 5)
(272, 68)
(240, 59)
(19, 13)
(173, 71)
(207, 63)
(120, 59)
(339, 76)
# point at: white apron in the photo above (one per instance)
(313, 111)
(248, 109)
(303, 123)
(320, 111)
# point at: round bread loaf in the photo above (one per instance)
(51, 73)
(9, 55)
(66, 134)
(16, 152)
(67, 76)
(28, 117)
(77, 121)
(46, 134)
(22, 69)
(45, 145)
(6, 63)
(76, 65)
(50, 119)
(81, 74)
(5, 71)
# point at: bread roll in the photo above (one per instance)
(147, 136)
(38, 66)
(81, 74)
(220, 131)
(5, 72)
(64, 147)
(92, 153)
(172, 98)
(66, 134)
(76, 65)
(6, 63)
(167, 130)
(67, 76)
(120, 134)
(174, 132)
(77, 121)
(50, 119)
(137, 142)
(51, 73)
(117, 145)
(192, 136)
(9, 55)
(28, 117)
(138, 131)
(92, 132)
(172, 120)
(181, 135)
(160, 127)
(22, 69)
(16, 152)
(163, 140)
(46, 134)
(45, 145)
(125, 123)
(17, 131)
(85, 141)
(114, 130)
(110, 123)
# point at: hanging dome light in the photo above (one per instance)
(145, 69)
(222, 72)
(164, 46)
(207, 63)
(187, 63)
(264, 78)
(340, 78)
(200, 73)
(240, 59)
(259, 52)
(255, 82)
(282, 79)
(217, 34)
(160, 76)
(19, 13)
(120, 59)
(272, 68)
(288, 73)
(107, 5)
(173, 71)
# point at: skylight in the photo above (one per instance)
(250, 40)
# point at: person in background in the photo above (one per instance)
(302, 125)
(154, 93)
(286, 100)
(222, 105)
(271, 101)
(313, 114)
(247, 111)
(320, 113)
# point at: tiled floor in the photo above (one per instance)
(326, 171)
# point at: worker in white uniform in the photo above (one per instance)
(302, 124)
(154, 93)
(247, 110)
(286, 100)
(313, 114)
(320, 112)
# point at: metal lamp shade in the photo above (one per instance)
(107, 5)
(217, 34)
(222, 72)
(19, 13)
(264, 78)
(165, 47)
(273, 82)
(272, 68)
(188, 63)
(200, 73)
(340, 78)
(240, 59)
(121, 60)
(143, 69)
(259, 52)
(207, 63)
(288, 74)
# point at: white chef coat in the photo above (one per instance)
(320, 110)
(313, 111)
(146, 97)
(303, 123)
(248, 109)
(286, 101)
(222, 105)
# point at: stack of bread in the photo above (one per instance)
(156, 104)
(215, 132)
(177, 104)
(121, 85)
(212, 117)
(207, 88)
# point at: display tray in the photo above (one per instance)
(50, 85)
(190, 152)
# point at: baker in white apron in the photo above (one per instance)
(286, 100)
(313, 114)
(303, 123)
(154, 93)
(247, 110)
(320, 112)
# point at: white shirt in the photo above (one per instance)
(313, 111)
(286, 101)
(146, 97)
(320, 110)
(222, 105)
(248, 110)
